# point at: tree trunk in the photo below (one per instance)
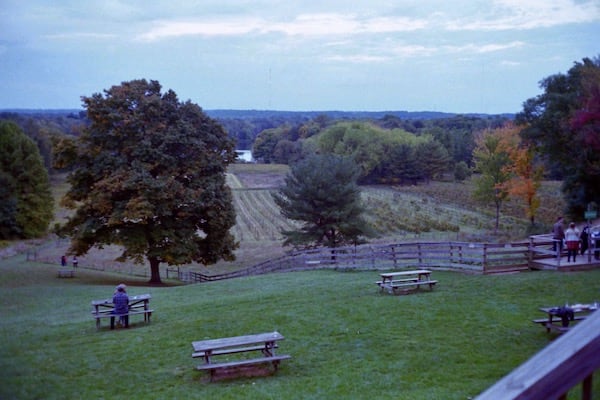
(154, 270)
(497, 218)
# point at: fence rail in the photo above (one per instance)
(483, 258)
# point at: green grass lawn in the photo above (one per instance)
(346, 339)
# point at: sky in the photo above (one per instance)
(460, 56)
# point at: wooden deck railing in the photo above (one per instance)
(557, 369)
(544, 246)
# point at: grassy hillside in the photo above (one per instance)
(347, 340)
(436, 211)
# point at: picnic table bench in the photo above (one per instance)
(265, 343)
(409, 280)
(138, 305)
(66, 273)
(554, 322)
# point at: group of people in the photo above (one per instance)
(574, 240)
(63, 261)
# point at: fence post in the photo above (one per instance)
(484, 257)
(373, 257)
(530, 256)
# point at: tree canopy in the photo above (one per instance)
(321, 192)
(564, 124)
(149, 175)
(383, 155)
(26, 202)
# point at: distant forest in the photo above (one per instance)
(245, 125)
(455, 132)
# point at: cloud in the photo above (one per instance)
(484, 48)
(533, 14)
(227, 27)
(500, 15)
(310, 25)
(80, 35)
(508, 63)
(387, 52)
(358, 58)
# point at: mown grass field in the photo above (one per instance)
(347, 340)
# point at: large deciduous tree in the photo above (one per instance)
(149, 175)
(564, 124)
(322, 193)
(26, 202)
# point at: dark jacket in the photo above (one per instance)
(121, 302)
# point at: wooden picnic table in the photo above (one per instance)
(66, 273)
(139, 304)
(265, 343)
(554, 320)
(405, 280)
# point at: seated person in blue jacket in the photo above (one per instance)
(121, 302)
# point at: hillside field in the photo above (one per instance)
(440, 210)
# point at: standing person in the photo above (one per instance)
(585, 238)
(121, 302)
(572, 239)
(63, 261)
(75, 262)
(558, 234)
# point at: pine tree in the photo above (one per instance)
(26, 203)
(321, 192)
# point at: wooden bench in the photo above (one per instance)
(544, 321)
(231, 351)
(66, 273)
(397, 281)
(108, 314)
(414, 284)
(556, 328)
(556, 324)
(213, 367)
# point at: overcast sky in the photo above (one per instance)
(374, 55)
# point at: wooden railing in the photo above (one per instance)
(483, 258)
(557, 369)
(544, 246)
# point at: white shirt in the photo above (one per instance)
(572, 235)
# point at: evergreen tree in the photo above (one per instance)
(26, 203)
(149, 175)
(321, 192)
(432, 159)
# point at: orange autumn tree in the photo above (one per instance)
(525, 175)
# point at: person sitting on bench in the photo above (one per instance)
(121, 302)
